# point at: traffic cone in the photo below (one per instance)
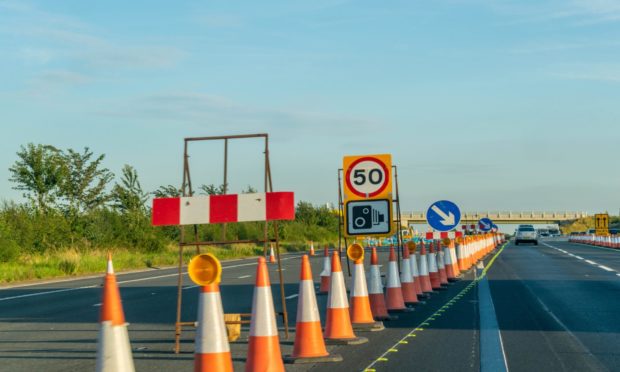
(460, 253)
(433, 273)
(441, 266)
(425, 281)
(311, 248)
(452, 267)
(326, 273)
(361, 314)
(393, 294)
(338, 328)
(212, 348)
(309, 345)
(406, 280)
(264, 343)
(415, 272)
(272, 256)
(375, 289)
(113, 348)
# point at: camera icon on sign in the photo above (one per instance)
(364, 217)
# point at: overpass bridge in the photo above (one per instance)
(510, 217)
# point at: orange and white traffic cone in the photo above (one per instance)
(406, 280)
(338, 328)
(309, 345)
(264, 344)
(272, 256)
(113, 348)
(375, 289)
(212, 348)
(425, 281)
(361, 313)
(433, 272)
(441, 266)
(452, 267)
(311, 248)
(394, 293)
(326, 273)
(415, 272)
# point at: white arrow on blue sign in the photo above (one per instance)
(485, 224)
(443, 215)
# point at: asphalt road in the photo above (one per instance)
(554, 306)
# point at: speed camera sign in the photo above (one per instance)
(367, 177)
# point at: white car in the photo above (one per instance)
(526, 233)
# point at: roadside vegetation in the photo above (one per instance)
(583, 224)
(76, 210)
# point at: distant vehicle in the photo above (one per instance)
(543, 233)
(526, 233)
(555, 232)
(614, 231)
(591, 231)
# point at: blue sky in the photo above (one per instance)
(496, 105)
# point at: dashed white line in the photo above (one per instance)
(244, 276)
(292, 296)
(581, 258)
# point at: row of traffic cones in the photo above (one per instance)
(419, 275)
(610, 241)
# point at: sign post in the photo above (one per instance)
(485, 224)
(443, 215)
(601, 224)
(368, 195)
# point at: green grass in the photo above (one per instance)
(72, 262)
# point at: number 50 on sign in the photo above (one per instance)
(367, 177)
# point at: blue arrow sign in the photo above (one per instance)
(443, 215)
(485, 224)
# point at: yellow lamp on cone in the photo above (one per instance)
(355, 252)
(411, 246)
(205, 269)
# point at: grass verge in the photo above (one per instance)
(73, 262)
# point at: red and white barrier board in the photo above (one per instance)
(442, 235)
(206, 209)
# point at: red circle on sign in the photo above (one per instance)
(380, 189)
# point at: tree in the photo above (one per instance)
(212, 189)
(168, 191)
(38, 172)
(128, 196)
(85, 180)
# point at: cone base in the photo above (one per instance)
(346, 341)
(386, 318)
(289, 359)
(213, 362)
(403, 310)
(368, 327)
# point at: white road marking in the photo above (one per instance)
(190, 287)
(492, 354)
(292, 296)
(244, 276)
(123, 281)
(96, 305)
(581, 258)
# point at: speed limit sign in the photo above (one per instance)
(367, 177)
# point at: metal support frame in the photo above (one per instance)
(187, 190)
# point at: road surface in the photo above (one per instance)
(549, 307)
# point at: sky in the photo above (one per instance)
(495, 105)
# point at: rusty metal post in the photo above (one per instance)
(225, 185)
(341, 235)
(398, 217)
